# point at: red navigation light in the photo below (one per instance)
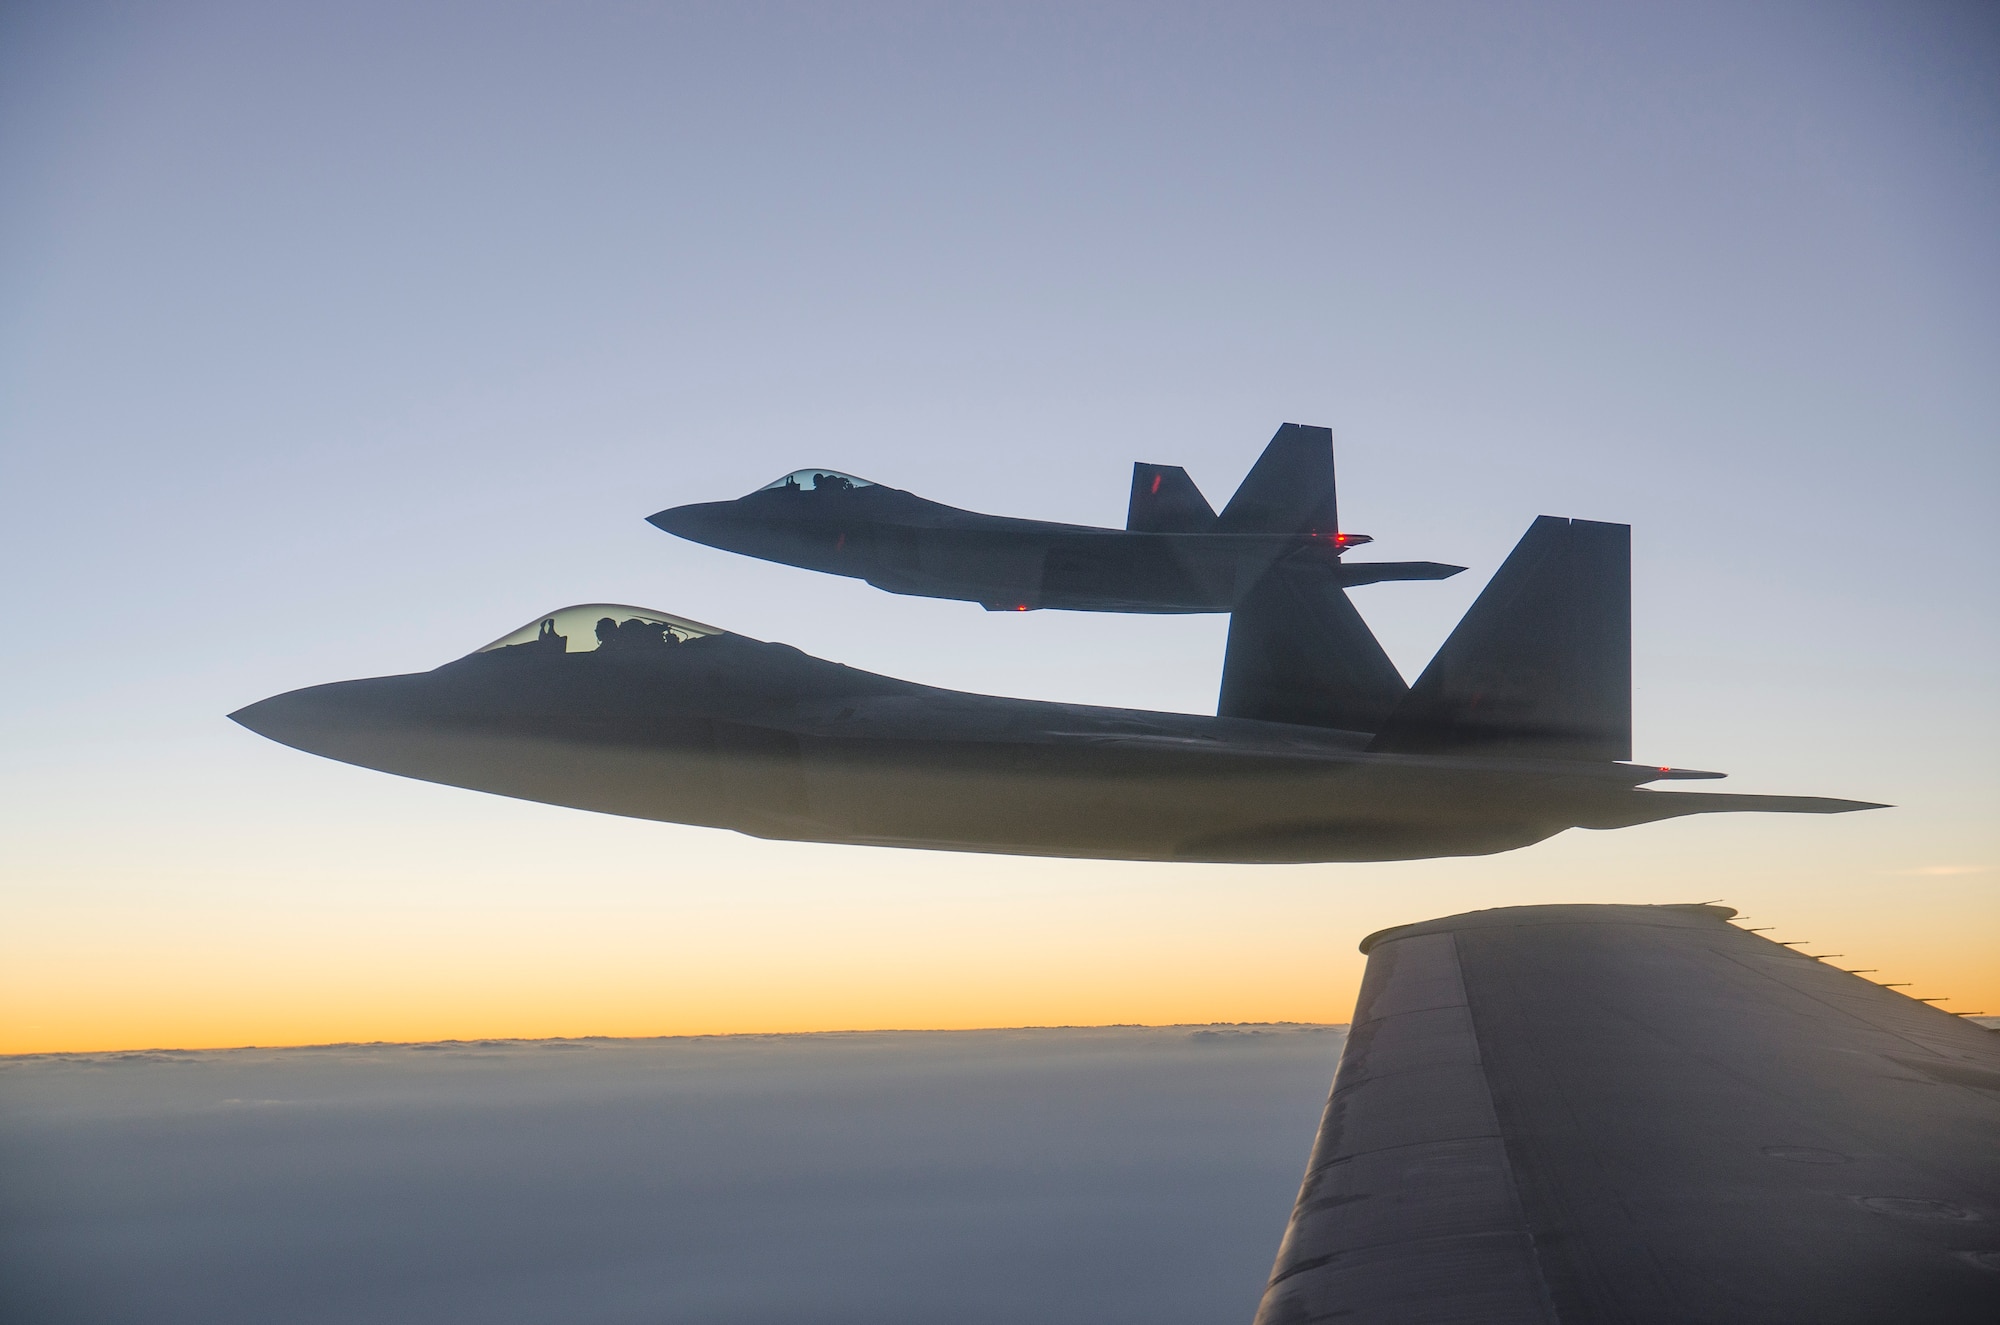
(1665, 769)
(1340, 538)
(1022, 608)
(1156, 483)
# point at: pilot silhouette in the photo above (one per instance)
(633, 633)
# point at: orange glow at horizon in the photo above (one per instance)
(492, 930)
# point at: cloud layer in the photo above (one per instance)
(1039, 1175)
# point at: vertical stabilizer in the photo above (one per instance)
(1299, 652)
(1166, 501)
(1542, 662)
(1290, 488)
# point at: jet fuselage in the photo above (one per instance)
(906, 544)
(720, 730)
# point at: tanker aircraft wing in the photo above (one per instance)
(1175, 554)
(1643, 1114)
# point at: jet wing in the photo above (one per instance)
(1631, 1113)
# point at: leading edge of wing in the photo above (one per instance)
(1615, 1112)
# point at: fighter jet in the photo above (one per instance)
(1519, 728)
(1175, 553)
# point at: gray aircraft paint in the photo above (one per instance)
(1643, 1114)
(1175, 554)
(689, 724)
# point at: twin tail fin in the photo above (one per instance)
(1299, 652)
(1290, 490)
(1166, 501)
(1541, 664)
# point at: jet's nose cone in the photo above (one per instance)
(698, 523)
(320, 718)
(292, 718)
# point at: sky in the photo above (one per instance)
(1051, 1176)
(336, 341)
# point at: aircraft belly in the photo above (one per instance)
(967, 796)
(981, 566)
(1133, 574)
(714, 775)
(1066, 801)
(1027, 798)
(1118, 573)
(951, 788)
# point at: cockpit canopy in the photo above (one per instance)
(589, 627)
(815, 480)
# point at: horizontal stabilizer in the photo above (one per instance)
(1166, 501)
(1645, 807)
(1352, 573)
(1290, 488)
(1299, 652)
(1541, 664)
